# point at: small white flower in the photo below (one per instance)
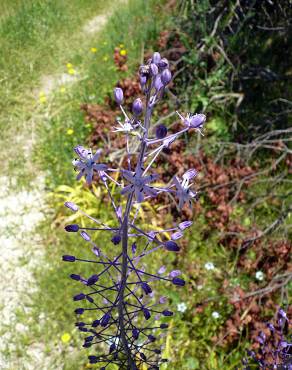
(259, 275)
(215, 315)
(209, 266)
(199, 287)
(181, 307)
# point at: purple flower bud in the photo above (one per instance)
(89, 299)
(161, 131)
(171, 246)
(92, 359)
(151, 338)
(85, 236)
(96, 251)
(143, 80)
(79, 311)
(135, 333)
(163, 326)
(166, 77)
(177, 235)
(67, 258)
(143, 356)
(79, 297)
(119, 95)
(163, 63)
(146, 288)
(137, 107)
(119, 211)
(71, 206)
(162, 300)
(167, 313)
(271, 327)
(75, 277)
(158, 83)
(80, 323)
(92, 280)
(178, 281)
(161, 270)
(105, 320)
(190, 174)
(197, 120)
(175, 273)
(112, 348)
(156, 58)
(72, 228)
(134, 248)
(82, 329)
(81, 151)
(158, 352)
(153, 69)
(116, 239)
(146, 313)
(86, 345)
(184, 225)
(89, 339)
(95, 323)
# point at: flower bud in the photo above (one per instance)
(72, 228)
(156, 58)
(172, 246)
(178, 281)
(71, 206)
(92, 280)
(75, 277)
(143, 80)
(184, 225)
(163, 63)
(116, 239)
(157, 83)
(105, 320)
(166, 76)
(79, 311)
(167, 313)
(95, 323)
(146, 288)
(79, 297)
(175, 273)
(197, 120)
(146, 313)
(153, 69)
(67, 258)
(163, 326)
(161, 131)
(85, 236)
(118, 95)
(137, 107)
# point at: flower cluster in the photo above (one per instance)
(127, 313)
(275, 351)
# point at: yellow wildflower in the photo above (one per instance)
(123, 52)
(71, 71)
(69, 65)
(70, 131)
(66, 337)
(93, 50)
(42, 97)
(105, 59)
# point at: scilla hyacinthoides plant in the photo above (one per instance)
(275, 351)
(127, 314)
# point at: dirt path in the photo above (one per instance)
(20, 246)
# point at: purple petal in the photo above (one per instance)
(161, 270)
(175, 273)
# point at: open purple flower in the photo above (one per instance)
(183, 191)
(139, 184)
(86, 164)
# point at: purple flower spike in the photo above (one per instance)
(172, 246)
(118, 95)
(119, 294)
(72, 228)
(137, 107)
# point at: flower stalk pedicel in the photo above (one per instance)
(120, 294)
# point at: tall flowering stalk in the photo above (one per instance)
(120, 292)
